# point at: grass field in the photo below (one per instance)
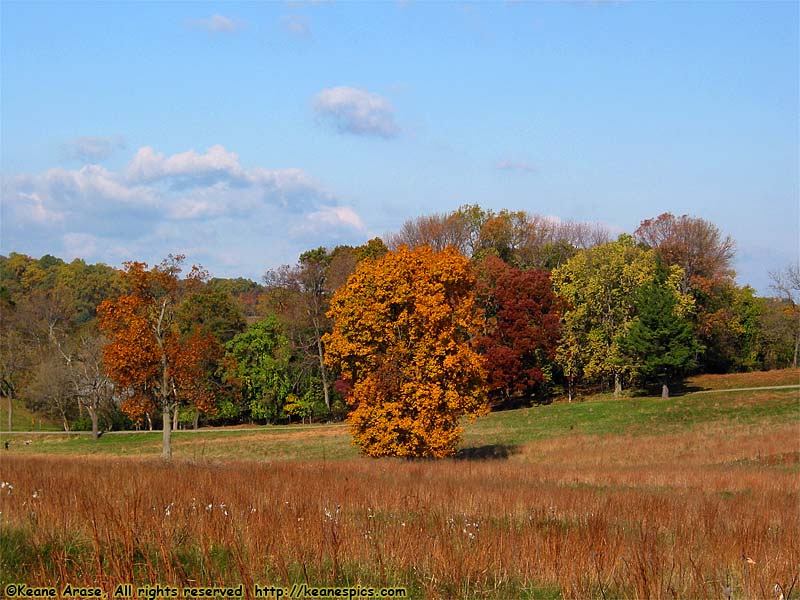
(632, 498)
(744, 380)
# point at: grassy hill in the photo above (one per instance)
(503, 434)
(23, 419)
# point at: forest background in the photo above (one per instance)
(559, 309)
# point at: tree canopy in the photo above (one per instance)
(401, 340)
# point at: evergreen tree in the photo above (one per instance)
(660, 342)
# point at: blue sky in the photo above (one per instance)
(243, 134)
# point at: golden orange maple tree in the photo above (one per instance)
(401, 340)
(146, 355)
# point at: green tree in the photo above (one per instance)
(260, 367)
(660, 342)
(599, 286)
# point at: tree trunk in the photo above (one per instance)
(323, 372)
(166, 446)
(664, 391)
(166, 438)
(570, 384)
(794, 360)
(617, 385)
(93, 415)
(9, 412)
(196, 422)
(175, 419)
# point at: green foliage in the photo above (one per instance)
(261, 367)
(660, 342)
(600, 286)
(214, 311)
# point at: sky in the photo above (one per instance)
(242, 134)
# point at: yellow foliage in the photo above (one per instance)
(401, 337)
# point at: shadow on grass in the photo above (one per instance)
(489, 452)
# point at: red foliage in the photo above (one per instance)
(522, 327)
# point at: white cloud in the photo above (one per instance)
(216, 24)
(356, 111)
(337, 216)
(94, 147)
(148, 165)
(30, 206)
(205, 204)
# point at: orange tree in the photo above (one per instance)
(146, 356)
(401, 340)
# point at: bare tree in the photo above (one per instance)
(50, 391)
(694, 244)
(93, 389)
(786, 282)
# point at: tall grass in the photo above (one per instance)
(573, 517)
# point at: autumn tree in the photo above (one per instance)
(144, 341)
(401, 340)
(695, 245)
(777, 330)
(520, 238)
(704, 254)
(599, 287)
(300, 296)
(522, 328)
(207, 319)
(245, 293)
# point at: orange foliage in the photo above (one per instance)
(193, 356)
(402, 326)
(146, 356)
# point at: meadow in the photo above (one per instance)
(693, 497)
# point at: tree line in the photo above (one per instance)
(453, 314)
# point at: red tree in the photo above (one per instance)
(522, 327)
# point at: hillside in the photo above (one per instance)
(503, 434)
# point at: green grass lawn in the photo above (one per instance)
(599, 415)
(634, 416)
(23, 419)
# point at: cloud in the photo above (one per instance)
(216, 24)
(94, 147)
(351, 110)
(202, 203)
(516, 165)
(148, 165)
(296, 25)
(336, 216)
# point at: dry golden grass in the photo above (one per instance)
(752, 379)
(576, 516)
